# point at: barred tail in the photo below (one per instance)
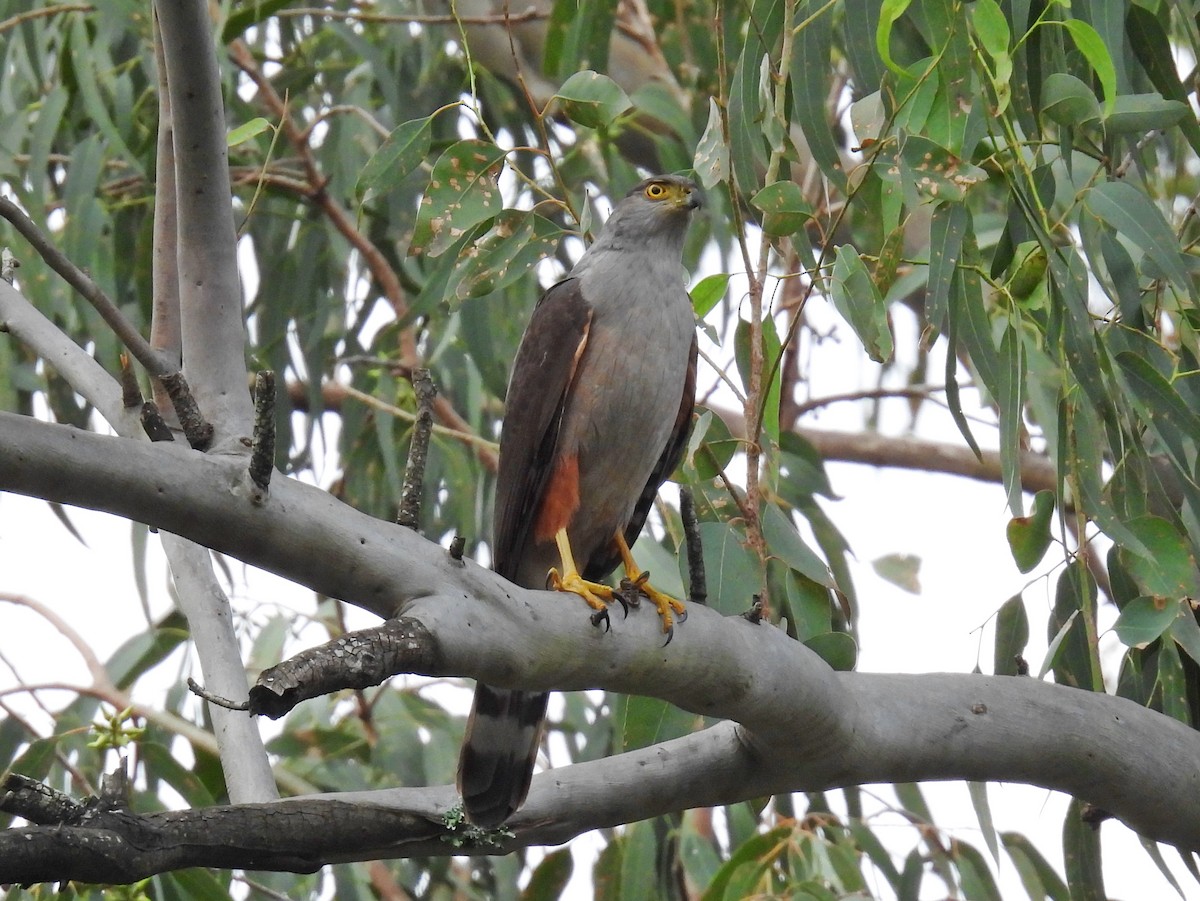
(498, 753)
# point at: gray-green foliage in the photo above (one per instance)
(1024, 179)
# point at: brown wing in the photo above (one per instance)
(537, 393)
(601, 564)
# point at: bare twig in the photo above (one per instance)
(697, 581)
(262, 453)
(418, 450)
(201, 692)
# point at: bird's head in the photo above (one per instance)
(664, 195)
(652, 217)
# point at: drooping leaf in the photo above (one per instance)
(1135, 216)
(858, 300)
(592, 99)
(712, 153)
(1012, 635)
(1029, 536)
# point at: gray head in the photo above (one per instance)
(652, 218)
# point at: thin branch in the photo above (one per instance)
(532, 14)
(917, 392)
(418, 451)
(154, 362)
(30, 15)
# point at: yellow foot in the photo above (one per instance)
(637, 585)
(597, 596)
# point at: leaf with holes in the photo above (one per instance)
(783, 207)
(462, 192)
(514, 244)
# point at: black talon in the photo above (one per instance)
(627, 594)
(670, 635)
(601, 616)
(681, 616)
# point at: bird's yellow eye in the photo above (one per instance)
(656, 191)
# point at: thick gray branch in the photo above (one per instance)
(803, 727)
(210, 298)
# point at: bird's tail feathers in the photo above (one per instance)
(498, 753)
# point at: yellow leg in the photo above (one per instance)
(597, 596)
(668, 607)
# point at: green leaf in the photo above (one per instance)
(506, 252)
(858, 300)
(809, 85)
(772, 373)
(708, 292)
(711, 445)
(1029, 536)
(1010, 390)
(946, 230)
(1140, 113)
(593, 100)
(978, 884)
(400, 153)
(246, 15)
(902, 570)
(642, 722)
(784, 208)
(248, 130)
(462, 192)
(1036, 874)
(835, 648)
(1069, 101)
(1152, 46)
(993, 32)
(1052, 650)
(983, 812)
(1133, 214)
(732, 571)
(711, 162)
(1091, 45)
(752, 853)
(1012, 635)
(1081, 856)
(785, 544)
(1144, 619)
(889, 12)
(1171, 570)
(1186, 632)
(639, 851)
(935, 172)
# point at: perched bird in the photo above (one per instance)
(598, 410)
